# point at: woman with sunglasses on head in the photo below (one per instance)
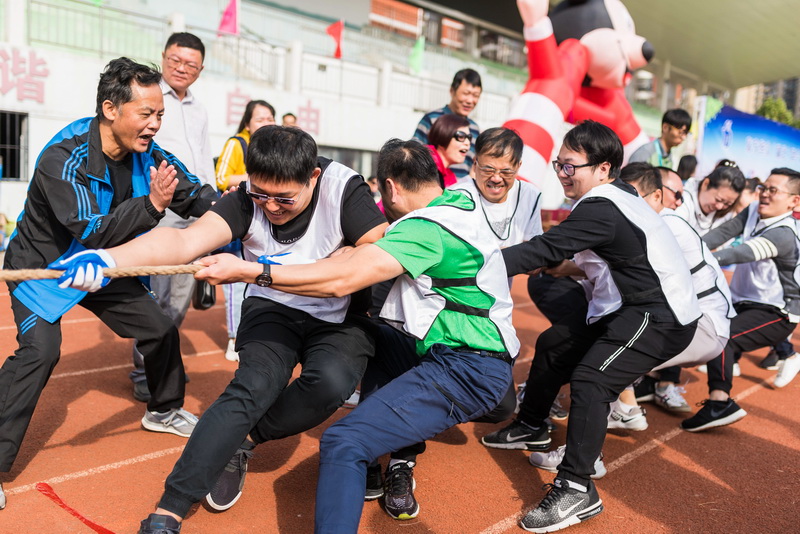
(230, 171)
(450, 142)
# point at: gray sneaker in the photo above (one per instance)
(176, 421)
(2, 497)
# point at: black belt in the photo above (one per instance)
(505, 356)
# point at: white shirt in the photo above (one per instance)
(184, 133)
(690, 210)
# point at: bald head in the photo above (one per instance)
(672, 188)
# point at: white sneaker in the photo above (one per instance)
(670, 398)
(787, 370)
(703, 369)
(175, 421)
(2, 497)
(549, 461)
(520, 396)
(230, 353)
(636, 419)
(352, 400)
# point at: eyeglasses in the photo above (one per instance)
(771, 190)
(683, 132)
(568, 168)
(280, 200)
(487, 171)
(461, 136)
(190, 66)
(678, 194)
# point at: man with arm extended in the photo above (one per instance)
(99, 182)
(294, 207)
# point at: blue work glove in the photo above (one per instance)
(84, 270)
(284, 258)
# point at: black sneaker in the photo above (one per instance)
(519, 435)
(562, 507)
(712, 414)
(374, 483)
(645, 389)
(399, 487)
(770, 361)
(228, 487)
(159, 524)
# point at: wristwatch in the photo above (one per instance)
(265, 278)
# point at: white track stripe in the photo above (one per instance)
(125, 365)
(511, 521)
(97, 470)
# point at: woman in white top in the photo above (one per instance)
(705, 200)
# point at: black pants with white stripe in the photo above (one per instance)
(599, 361)
(126, 307)
(755, 326)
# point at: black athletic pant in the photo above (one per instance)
(272, 340)
(599, 361)
(126, 307)
(755, 326)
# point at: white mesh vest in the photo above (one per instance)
(412, 305)
(664, 257)
(708, 281)
(758, 281)
(323, 236)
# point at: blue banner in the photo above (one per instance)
(756, 144)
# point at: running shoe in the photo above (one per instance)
(671, 398)
(374, 483)
(557, 410)
(635, 420)
(352, 400)
(399, 486)
(2, 497)
(176, 421)
(230, 352)
(713, 414)
(645, 389)
(549, 461)
(770, 362)
(562, 507)
(519, 436)
(159, 524)
(520, 396)
(787, 370)
(228, 488)
(141, 392)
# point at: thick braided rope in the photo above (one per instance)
(20, 275)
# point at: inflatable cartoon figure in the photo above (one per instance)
(579, 60)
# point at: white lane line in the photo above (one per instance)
(125, 365)
(511, 522)
(97, 470)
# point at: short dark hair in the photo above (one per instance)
(290, 114)
(678, 118)
(598, 142)
(409, 163)
(726, 176)
(186, 40)
(792, 175)
(751, 184)
(117, 77)
(248, 112)
(686, 167)
(281, 154)
(466, 75)
(444, 128)
(499, 142)
(643, 174)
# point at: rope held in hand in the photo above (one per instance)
(20, 275)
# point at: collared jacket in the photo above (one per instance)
(68, 209)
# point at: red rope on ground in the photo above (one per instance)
(48, 492)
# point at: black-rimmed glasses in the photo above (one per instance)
(678, 194)
(461, 136)
(568, 168)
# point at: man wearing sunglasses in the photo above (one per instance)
(184, 133)
(294, 208)
(675, 125)
(765, 289)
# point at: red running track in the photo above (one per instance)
(86, 443)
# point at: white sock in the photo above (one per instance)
(625, 408)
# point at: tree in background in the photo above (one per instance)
(775, 109)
